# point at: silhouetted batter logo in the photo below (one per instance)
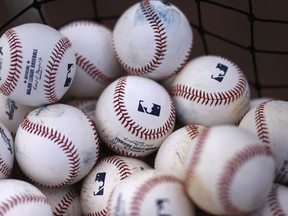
(68, 75)
(151, 110)
(221, 72)
(100, 179)
(161, 205)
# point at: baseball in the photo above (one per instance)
(106, 174)
(174, 147)
(152, 39)
(12, 113)
(210, 90)
(96, 64)
(134, 115)
(18, 197)
(37, 64)
(150, 192)
(268, 121)
(228, 170)
(56, 145)
(6, 152)
(275, 203)
(64, 201)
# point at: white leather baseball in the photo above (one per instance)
(150, 192)
(228, 170)
(96, 64)
(275, 203)
(134, 115)
(106, 174)
(174, 147)
(37, 64)
(7, 152)
(152, 39)
(56, 145)
(18, 197)
(12, 113)
(269, 121)
(65, 201)
(210, 90)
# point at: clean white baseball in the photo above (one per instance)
(7, 152)
(174, 147)
(152, 39)
(134, 115)
(12, 113)
(275, 203)
(64, 201)
(22, 198)
(269, 121)
(210, 90)
(56, 145)
(96, 64)
(228, 170)
(37, 64)
(150, 192)
(106, 174)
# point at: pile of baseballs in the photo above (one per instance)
(122, 121)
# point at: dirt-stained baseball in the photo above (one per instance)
(56, 145)
(210, 90)
(37, 64)
(153, 39)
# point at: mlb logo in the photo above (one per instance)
(100, 179)
(151, 110)
(220, 75)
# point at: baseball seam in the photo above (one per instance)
(160, 39)
(92, 71)
(230, 170)
(15, 62)
(19, 199)
(5, 168)
(64, 204)
(274, 203)
(52, 69)
(130, 124)
(210, 99)
(192, 131)
(62, 142)
(120, 164)
(145, 187)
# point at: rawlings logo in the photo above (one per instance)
(11, 108)
(6, 140)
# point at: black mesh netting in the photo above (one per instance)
(250, 33)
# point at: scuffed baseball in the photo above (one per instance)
(210, 90)
(152, 39)
(134, 115)
(269, 121)
(150, 192)
(174, 147)
(96, 64)
(7, 152)
(229, 171)
(106, 174)
(18, 197)
(56, 145)
(37, 64)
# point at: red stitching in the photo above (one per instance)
(60, 140)
(160, 39)
(103, 212)
(15, 62)
(50, 76)
(129, 123)
(261, 125)
(230, 170)
(274, 203)
(92, 71)
(5, 169)
(64, 203)
(210, 99)
(192, 131)
(120, 164)
(146, 187)
(19, 199)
